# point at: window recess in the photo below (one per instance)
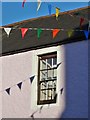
(47, 77)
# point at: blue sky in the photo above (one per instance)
(13, 12)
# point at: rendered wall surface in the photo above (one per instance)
(73, 72)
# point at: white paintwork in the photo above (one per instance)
(0, 88)
(73, 74)
(60, 80)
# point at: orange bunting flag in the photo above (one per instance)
(81, 21)
(23, 3)
(57, 12)
(24, 30)
(55, 32)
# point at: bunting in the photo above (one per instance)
(55, 32)
(86, 33)
(39, 4)
(70, 32)
(56, 94)
(57, 13)
(7, 30)
(58, 64)
(81, 21)
(23, 31)
(32, 78)
(41, 109)
(8, 91)
(39, 31)
(19, 85)
(61, 91)
(49, 8)
(23, 3)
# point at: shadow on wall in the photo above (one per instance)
(76, 66)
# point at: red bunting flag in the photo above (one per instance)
(24, 30)
(23, 3)
(81, 21)
(55, 32)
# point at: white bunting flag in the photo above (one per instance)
(39, 4)
(7, 30)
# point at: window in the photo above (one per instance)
(47, 77)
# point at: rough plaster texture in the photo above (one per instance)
(16, 68)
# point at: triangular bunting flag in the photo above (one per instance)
(81, 21)
(86, 34)
(7, 30)
(49, 8)
(23, 3)
(32, 78)
(8, 91)
(23, 31)
(41, 109)
(61, 91)
(55, 32)
(57, 13)
(19, 85)
(39, 4)
(58, 64)
(39, 31)
(70, 32)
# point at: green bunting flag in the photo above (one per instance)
(39, 31)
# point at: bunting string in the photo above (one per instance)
(41, 107)
(54, 31)
(19, 84)
(77, 14)
(61, 29)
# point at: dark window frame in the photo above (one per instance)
(40, 57)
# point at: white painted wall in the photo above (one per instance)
(0, 88)
(73, 74)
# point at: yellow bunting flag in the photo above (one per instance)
(57, 12)
(70, 32)
(55, 32)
